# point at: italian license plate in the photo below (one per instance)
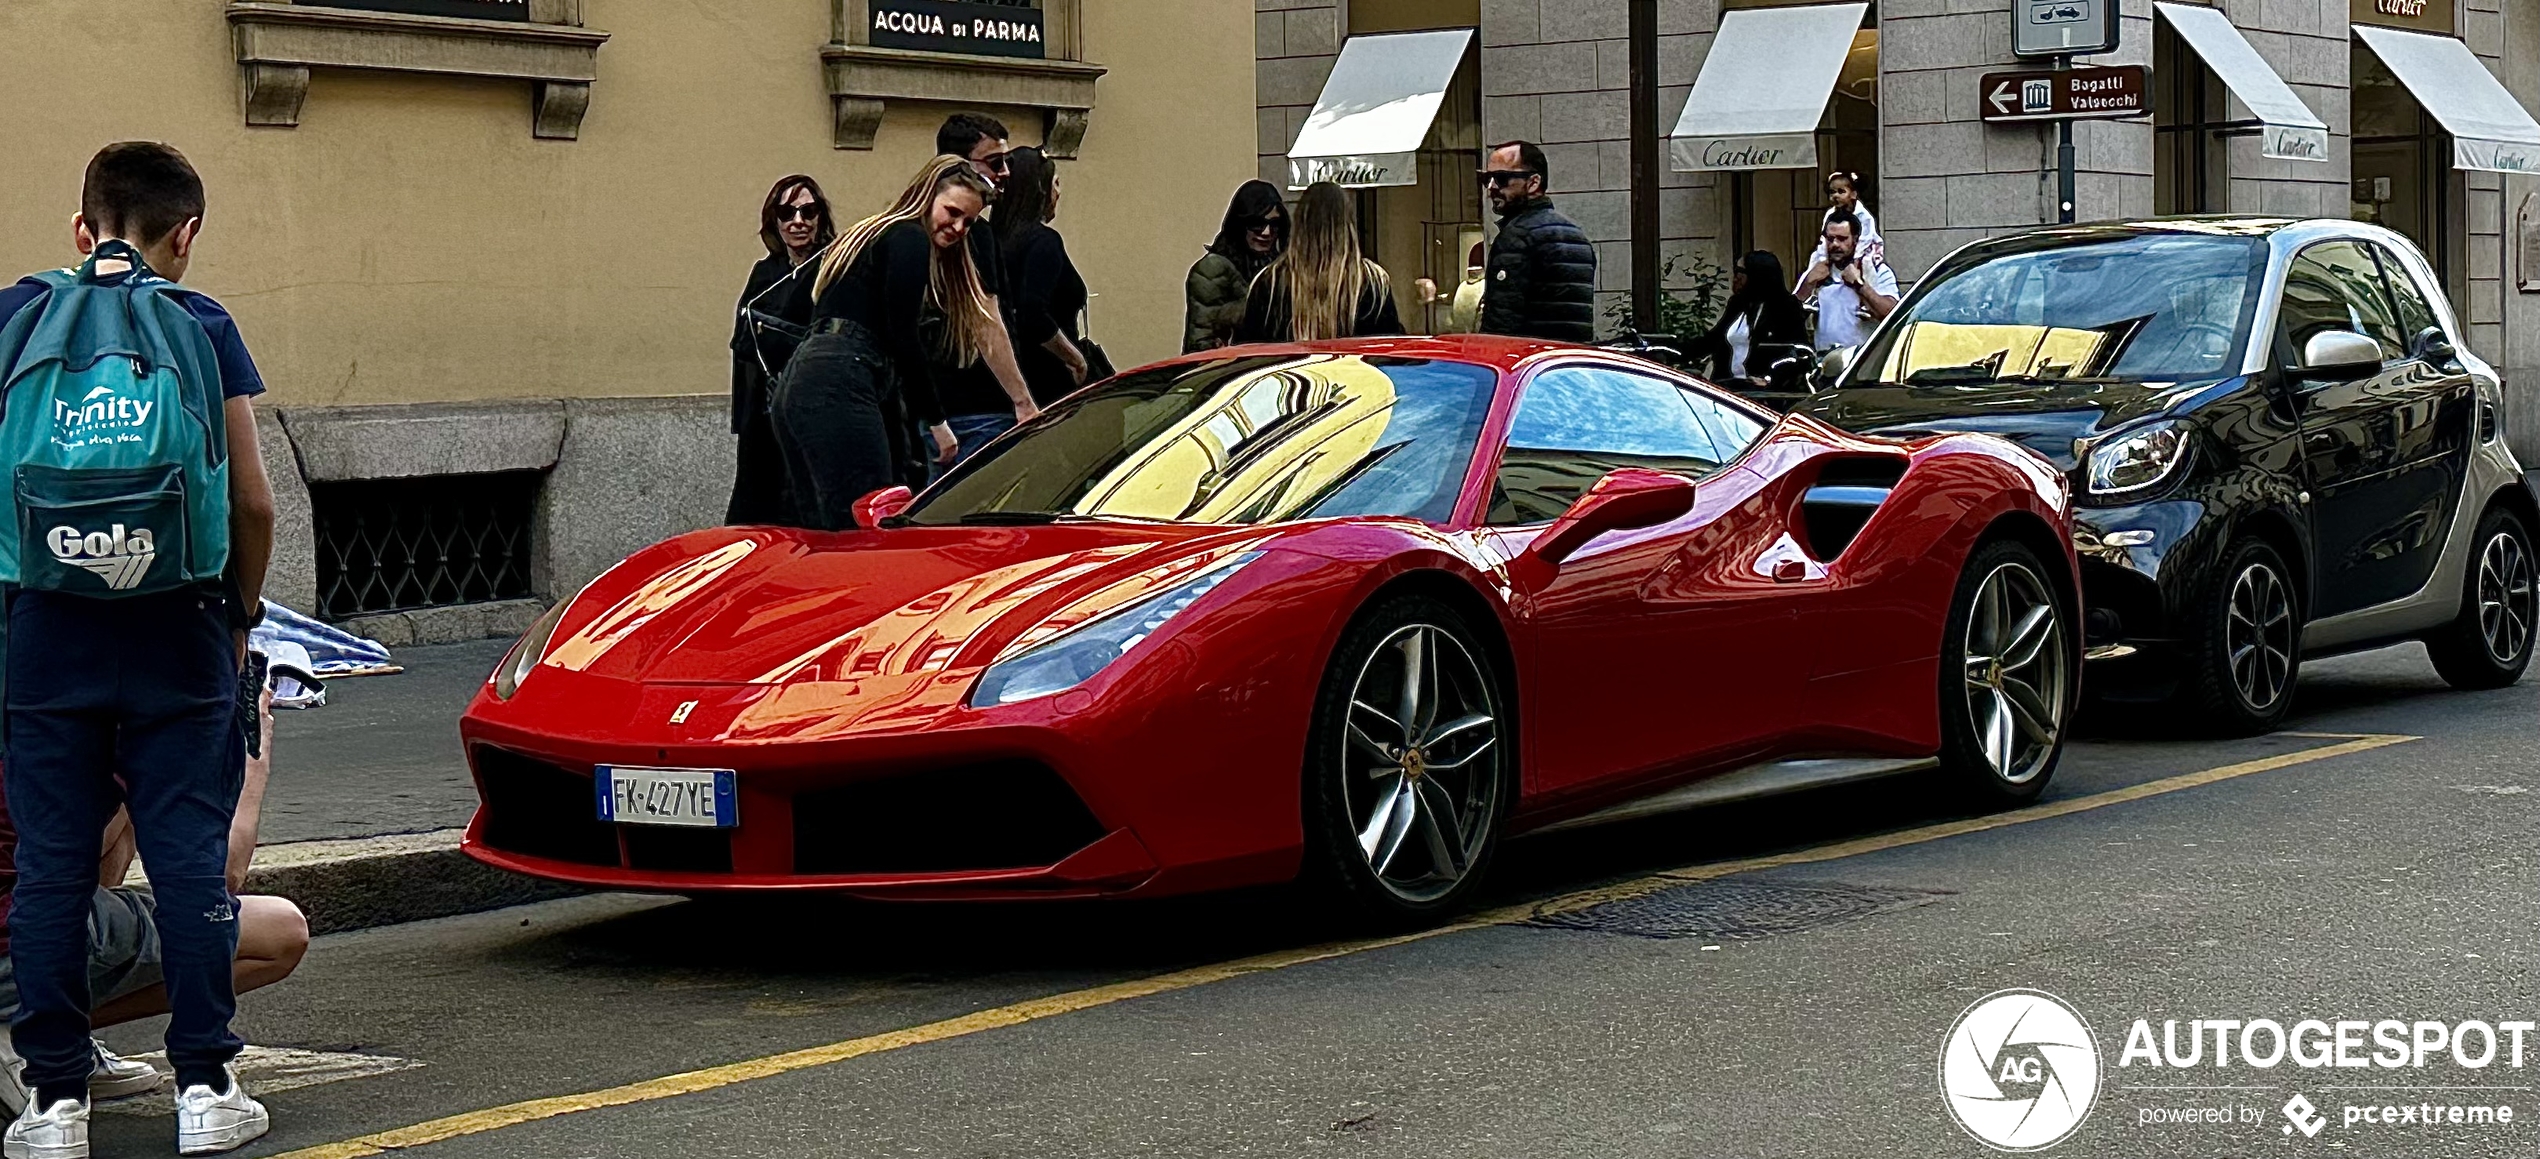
(701, 798)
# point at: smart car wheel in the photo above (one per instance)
(2007, 682)
(2247, 646)
(1408, 773)
(2490, 644)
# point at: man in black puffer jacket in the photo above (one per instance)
(1542, 277)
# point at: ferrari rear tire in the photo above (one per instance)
(2244, 647)
(2489, 646)
(1410, 766)
(2009, 677)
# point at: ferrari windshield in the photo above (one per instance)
(2157, 306)
(1244, 439)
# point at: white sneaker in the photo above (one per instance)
(118, 1077)
(59, 1132)
(208, 1123)
(13, 1092)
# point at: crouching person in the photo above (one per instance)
(125, 976)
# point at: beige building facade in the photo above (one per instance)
(486, 252)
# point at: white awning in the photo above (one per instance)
(1763, 88)
(2489, 129)
(1376, 108)
(2288, 128)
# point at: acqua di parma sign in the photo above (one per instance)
(957, 26)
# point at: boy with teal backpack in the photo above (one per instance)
(132, 566)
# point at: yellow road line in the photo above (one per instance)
(1016, 1014)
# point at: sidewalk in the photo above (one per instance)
(368, 796)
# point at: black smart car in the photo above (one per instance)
(2280, 446)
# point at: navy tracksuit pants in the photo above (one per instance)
(144, 689)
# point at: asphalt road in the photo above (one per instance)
(1806, 1016)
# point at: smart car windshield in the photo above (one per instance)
(2164, 306)
(1244, 439)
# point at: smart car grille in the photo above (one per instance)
(999, 815)
(536, 809)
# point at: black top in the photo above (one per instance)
(749, 382)
(1771, 320)
(1044, 295)
(973, 389)
(884, 291)
(1266, 312)
(1542, 276)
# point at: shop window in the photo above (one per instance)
(2402, 163)
(2190, 130)
(387, 545)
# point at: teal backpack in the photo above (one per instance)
(111, 426)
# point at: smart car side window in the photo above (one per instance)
(2416, 315)
(1576, 423)
(2336, 286)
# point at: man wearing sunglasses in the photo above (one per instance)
(1541, 282)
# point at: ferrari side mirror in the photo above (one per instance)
(1622, 500)
(871, 510)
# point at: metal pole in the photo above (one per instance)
(2064, 158)
(1644, 153)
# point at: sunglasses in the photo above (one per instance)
(812, 212)
(1506, 176)
(996, 162)
(1259, 224)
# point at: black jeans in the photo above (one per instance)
(758, 475)
(833, 411)
(146, 689)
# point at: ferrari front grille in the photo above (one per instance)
(994, 815)
(536, 809)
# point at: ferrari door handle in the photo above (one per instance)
(1790, 571)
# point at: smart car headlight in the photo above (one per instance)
(526, 654)
(1063, 662)
(2137, 459)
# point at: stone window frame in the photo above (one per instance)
(862, 80)
(278, 43)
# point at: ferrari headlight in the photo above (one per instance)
(2137, 459)
(1063, 662)
(526, 654)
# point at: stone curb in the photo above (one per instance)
(360, 882)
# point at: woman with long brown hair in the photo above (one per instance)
(793, 223)
(1321, 286)
(853, 387)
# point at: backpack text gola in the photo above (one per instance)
(112, 431)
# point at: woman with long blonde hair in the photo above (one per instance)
(1320, 286)
(844, 400)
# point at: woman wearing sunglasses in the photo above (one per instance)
(1254, 232)
(793, 223)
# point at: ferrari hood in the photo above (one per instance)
(2046, 417)
(774, 607)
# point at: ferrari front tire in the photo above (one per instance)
(1410, 764)
(2008, 676)
(2489, 645)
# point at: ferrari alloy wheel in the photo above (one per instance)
(1409, 775)
(2489, 645)
(2250, 650)
(2008, 693)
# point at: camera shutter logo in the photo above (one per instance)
(2020, 1070)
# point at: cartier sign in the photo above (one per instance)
(2435, 16)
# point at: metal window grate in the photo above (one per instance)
(386, 545)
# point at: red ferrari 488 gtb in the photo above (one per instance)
(1353, 612)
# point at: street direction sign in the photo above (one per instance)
(2063, 27)
(2055, 95)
